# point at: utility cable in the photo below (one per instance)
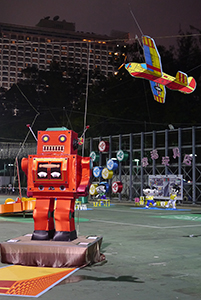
(86, 98)
(136, 22)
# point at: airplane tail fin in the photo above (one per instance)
(183, 83)
(182, 78)
(190, 87)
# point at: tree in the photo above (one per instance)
(116, 104)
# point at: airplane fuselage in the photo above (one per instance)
(140, 71)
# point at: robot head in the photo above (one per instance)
(57, 141)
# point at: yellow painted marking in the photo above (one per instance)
(16, 273)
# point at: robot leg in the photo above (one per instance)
(64, 220)
(43, 219)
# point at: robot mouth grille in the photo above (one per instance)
(53, 148)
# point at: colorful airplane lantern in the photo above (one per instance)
(152, 70)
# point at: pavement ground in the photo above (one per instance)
(151, 254)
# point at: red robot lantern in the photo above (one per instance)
(56, 172)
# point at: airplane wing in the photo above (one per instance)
(152, 57)
(158, 91)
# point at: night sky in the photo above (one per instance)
(159, 19)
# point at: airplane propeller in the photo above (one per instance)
(122, 65)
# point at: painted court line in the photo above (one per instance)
(145, 226)
(140, 210)
(162, 208)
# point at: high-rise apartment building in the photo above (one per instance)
(23, 46)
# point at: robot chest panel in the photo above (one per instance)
(53, 174)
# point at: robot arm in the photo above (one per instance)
(84, 185)
(24, 165)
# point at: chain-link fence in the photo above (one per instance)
(167, 152)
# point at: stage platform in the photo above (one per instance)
(80, 252)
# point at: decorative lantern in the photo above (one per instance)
(97, 171)
(107, 174)
(94, 156)
(122, 155)
(117, 187)
(92, 190)
(103, 146)
(112, 164)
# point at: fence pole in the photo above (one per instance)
(131, 167)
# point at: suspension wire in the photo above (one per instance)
(85, 123)
(193, 69)
(67, 117)
(147, 104)
(37, 112)
(26, 99)
(22, 93)
(16, 158)
(113, 39)
(134, 18)
(18, 177)
(86, 98)
(27, 135)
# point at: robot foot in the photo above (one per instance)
(65, 235)
(43, 235)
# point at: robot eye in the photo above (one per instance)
(62, 138)
(45, 138)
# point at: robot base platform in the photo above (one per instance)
(80, 252)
